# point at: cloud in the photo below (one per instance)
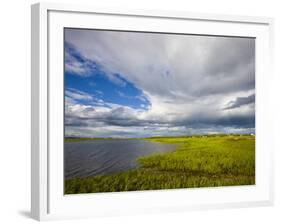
(162, 65)
(77, 95)
(130, 120)
(240, 101)
(76, 63)
(187, 79)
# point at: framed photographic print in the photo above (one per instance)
(146, 111)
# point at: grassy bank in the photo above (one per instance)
(198, 161)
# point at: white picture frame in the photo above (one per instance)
(47, 198)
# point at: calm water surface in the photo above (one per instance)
(91, 158)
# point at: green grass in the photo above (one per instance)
(198, 161)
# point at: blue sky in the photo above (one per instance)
(95, 83)
(125, 84)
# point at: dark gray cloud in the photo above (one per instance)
(240, 101)
(125, 119)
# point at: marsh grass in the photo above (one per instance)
(198, 161)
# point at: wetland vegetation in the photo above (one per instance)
(197, 161)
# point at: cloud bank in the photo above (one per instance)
(186, 84)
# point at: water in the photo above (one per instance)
(91, 158)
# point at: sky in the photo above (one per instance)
(136, 84)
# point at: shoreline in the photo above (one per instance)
(199, 161)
